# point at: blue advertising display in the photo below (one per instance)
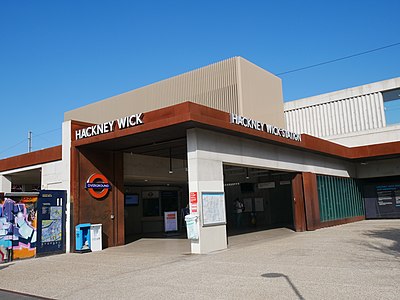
(51, 222)
(382, 200)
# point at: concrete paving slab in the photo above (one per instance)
(353, 261)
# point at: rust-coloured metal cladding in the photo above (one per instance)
(311, 200)
(109, 210)
(31, 158)
(340, 222)
(206, 117)
(298, 203)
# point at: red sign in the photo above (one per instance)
(193, 202)
(193, 197)
(98, 186)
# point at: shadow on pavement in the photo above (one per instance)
(11, 295)
(391, 234)
(5, 266)
(280, 275)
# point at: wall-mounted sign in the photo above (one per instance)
(260, 126)
(122, 123)
(266, 185)
(193, 202)
(98, 186)
(150, 194)
(213, 205)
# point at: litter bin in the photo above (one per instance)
(96, 242)
(82, 237)
(192, 227)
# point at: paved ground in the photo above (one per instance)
(354, 261)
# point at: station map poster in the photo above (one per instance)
(51, 221)
(213, 205)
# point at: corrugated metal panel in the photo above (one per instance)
(338, 117)
(339, 198)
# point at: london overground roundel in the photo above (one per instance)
(98, 186)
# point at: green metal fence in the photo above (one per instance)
(339, 198)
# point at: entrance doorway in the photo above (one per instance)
(156, 191)
(264, 195)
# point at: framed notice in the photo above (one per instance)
(170, 221)
(213, 205)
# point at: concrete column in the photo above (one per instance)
(5, 184)
(205, 175)
(66, 180)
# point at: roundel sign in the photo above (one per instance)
(98, 186)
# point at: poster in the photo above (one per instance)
(213, 208)
(18, 234)
(193, 202)
(170, 221)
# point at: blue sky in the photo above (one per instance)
(59, 55)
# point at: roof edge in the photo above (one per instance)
(32, 158)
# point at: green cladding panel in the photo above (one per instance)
(339, 198)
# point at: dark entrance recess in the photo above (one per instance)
(267, 197)
(156, 175)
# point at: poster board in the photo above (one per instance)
(213, 204)
(259, 204)
(170, 221)
(248, 204)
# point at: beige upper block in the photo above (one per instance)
(233, 85)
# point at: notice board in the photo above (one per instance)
(213, 205)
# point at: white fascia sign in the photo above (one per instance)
(260, 126)
(122, 123)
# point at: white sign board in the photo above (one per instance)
(170, 221)
(213, 205)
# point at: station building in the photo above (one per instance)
(210, 137)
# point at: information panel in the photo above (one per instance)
(213, 205)
(51, 222)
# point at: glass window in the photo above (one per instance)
(391, 102)
(169, 200)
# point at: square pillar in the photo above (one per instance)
(205, 175)
(5, 184)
